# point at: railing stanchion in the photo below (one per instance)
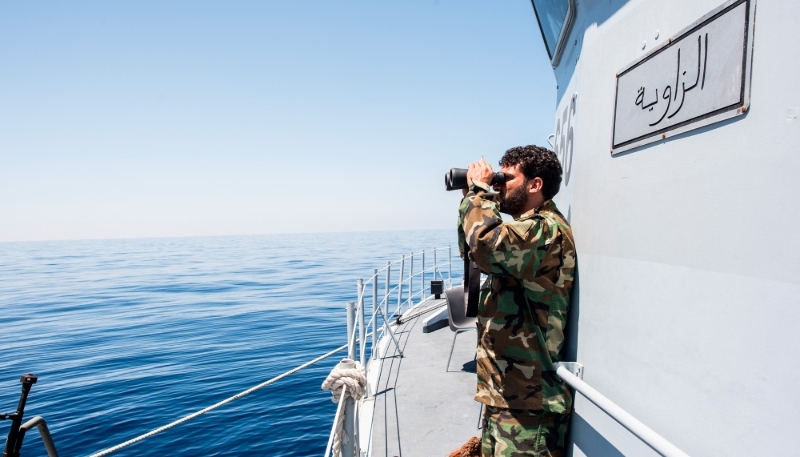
(400, 285)
(349, 444)
(386, 286)
(422, 279)
(362, 335)
(435, 264)
(411, 282)
(374, 307)
(351, 323)
(450, 266)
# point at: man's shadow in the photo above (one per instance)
(570, 350)
(470, 367)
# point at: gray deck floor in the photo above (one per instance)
(421, 410)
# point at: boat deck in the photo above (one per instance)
(419, 408)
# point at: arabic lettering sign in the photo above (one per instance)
(697, 78)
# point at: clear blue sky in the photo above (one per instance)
(159, 118)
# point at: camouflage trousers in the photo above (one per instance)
(513, 433)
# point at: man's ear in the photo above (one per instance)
(535, 185)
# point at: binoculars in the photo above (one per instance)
(456, 178)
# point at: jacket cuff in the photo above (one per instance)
(477, 185)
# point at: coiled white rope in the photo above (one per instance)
(216, 405)
(351, 375)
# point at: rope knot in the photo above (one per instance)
(346, 373)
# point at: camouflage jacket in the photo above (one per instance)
(523, 307)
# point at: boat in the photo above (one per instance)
(676, 127)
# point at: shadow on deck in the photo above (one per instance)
(420, 409)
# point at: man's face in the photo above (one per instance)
(514, 192)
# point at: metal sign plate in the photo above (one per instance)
(699, 77)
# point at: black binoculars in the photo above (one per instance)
(456, 178)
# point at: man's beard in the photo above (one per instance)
(514, 201)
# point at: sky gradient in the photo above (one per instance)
(150, 119)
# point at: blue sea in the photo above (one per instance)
(129, 335)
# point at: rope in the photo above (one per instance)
(356, 383)
(216, 405)
(403, 319)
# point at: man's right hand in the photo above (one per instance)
(480, 171)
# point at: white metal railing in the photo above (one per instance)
(403, 287)
(657, 442)
(44, 432)
(406, 298)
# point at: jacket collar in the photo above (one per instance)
(548, 206)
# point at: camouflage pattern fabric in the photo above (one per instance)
(522, 312)
(515, 433)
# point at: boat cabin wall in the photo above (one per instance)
(688, 300)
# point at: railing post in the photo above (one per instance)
(411, 281)
(435, 264)
(450, 266)
(422, 279)
(399, 286)
(374, 307)
(362, 345)
(349, 445)
(351, 324)
(386, 287)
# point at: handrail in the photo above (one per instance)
(405, 283)
(413, 254)
(409, 256)
(44, 432)
(657, 442)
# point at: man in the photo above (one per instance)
(523, 306)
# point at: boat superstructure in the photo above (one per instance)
(687, 298)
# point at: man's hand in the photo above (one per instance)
(480, 171)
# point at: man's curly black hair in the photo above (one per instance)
(536, 162)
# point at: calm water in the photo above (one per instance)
(128, 335)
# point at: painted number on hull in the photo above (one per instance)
(564, 136)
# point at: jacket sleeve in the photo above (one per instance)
(501, 248)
